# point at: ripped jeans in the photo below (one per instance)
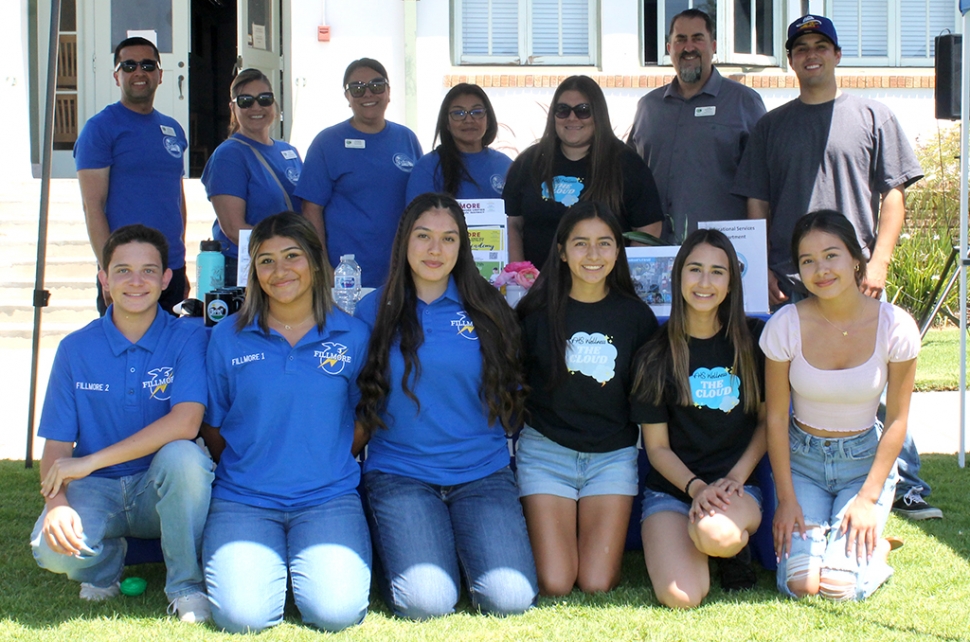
(827, 474)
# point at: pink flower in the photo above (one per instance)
(519, 273)
(527, 276)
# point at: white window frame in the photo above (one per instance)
(893, 57)
(524, 56)
(724, 26)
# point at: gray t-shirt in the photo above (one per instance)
(841, 155)
(693, 148)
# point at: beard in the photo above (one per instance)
(689, 75)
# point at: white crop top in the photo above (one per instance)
(840, 400)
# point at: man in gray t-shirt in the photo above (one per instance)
(692, 132)
(829, 150)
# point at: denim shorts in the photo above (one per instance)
(546, 468)
(657, 501)
(827, 474)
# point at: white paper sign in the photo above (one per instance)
(750, 242)
(488, 233)
(259, 36)
(242, 269)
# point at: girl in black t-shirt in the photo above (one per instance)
(698, 399)
(577, 469)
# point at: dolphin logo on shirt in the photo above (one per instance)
(466, 327)
(158, 384)
(333, 357)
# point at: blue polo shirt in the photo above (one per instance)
(286, 412)
(487, 169)
(103, 388)
(234, 170)
(360, 180)
(144, 152)
(447, 440)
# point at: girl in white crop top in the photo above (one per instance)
(829, 357)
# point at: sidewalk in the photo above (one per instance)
(934, 416)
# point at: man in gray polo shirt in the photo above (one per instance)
(692, 132)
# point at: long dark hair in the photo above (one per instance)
(665, 359)
(502, 388)
(452, 165)
(550, 292)
(836, 224)
(604, 180)
(245, 77)
(292, 226)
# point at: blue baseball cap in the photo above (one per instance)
(811, 24)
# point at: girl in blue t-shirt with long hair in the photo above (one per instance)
(698, 400)
(439, 392)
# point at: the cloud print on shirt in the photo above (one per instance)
(593, 355)
(715, 388)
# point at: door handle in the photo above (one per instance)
(181, 80)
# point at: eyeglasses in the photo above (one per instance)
(582, 111)
(459, 114)
(265, 99)
(357, 89)
(128, 66)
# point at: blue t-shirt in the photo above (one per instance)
(234, 170)
(448, 440)
(360, 180)
(487, 168)
(286, 412)
(103, 388)
(144, 152)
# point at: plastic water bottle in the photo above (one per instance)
(346, 284)
(210, 268)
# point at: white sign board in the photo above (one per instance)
(749, 238)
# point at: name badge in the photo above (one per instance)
(288, 154)
(700, 112)
(167, 131)
(354, 143)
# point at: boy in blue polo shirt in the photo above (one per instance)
(125, 398)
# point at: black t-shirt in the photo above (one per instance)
(589, 411)
(710, 435)
(541, 214)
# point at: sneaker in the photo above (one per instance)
(736, 573)
(93, 593)
(192, 608)
(913, 506)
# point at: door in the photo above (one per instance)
(166, 23)
(259, 44)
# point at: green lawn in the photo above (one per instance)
(938, 367)
(927, 599)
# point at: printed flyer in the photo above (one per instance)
(488, 234)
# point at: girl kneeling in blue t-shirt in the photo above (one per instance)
(577, 458)
(698, 400)
(282, 377)
(441, 382)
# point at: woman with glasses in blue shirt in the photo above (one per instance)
(356, 173)
(463, 166)
(250, 176)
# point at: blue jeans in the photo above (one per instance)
(827, 475)
(169, 500)
(249, 551)
(423, 532)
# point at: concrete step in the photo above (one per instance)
(75, 312)
(69, 290)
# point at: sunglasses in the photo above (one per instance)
(128, 66)
(582, 111)
(245, 101)
(357, 89)
(459, 114)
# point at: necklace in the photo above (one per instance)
(845, 333)
(290, 327)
